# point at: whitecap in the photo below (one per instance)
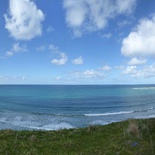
(55, 126)
(145, 117)
(100, 122)
(150, 108)
(49, 127)
(144, 88)
(107, 114)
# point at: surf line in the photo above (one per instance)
(107, 114)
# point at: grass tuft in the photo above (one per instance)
(133, 128)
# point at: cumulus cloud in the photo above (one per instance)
(61, 61)
(78, 61)
(53, 48)
(9, 53)
(12, 79)
(106, 68)
(63, 58)
(148, 71)
(107, 36)
(142, 72)
(123, 23)
(141, 41)
(24, 19)
(130, 70)
(92, 74)
(89, 74)
(92, 15)
(16, 48)
(136, 61)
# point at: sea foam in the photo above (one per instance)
(144, 88)
(113, 113)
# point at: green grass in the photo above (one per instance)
(132, 137)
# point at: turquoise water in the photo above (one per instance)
(53, 107)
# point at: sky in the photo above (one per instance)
(77, 42)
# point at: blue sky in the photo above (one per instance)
(77, 42)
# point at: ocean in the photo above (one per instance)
(54, 107)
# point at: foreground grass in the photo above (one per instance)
(132, 137)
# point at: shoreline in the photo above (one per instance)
(43, 128)
(125, 137)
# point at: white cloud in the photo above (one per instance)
(16, 48)
(123, 23)
(107, 36)
(24, 19)
(63, 58)
(144, 72)
(92, 15)
(78, 61)
(141, 41)
(125, 6)
(61, 61)
(53, 48)
(12, 79)
(148, 71)
(136, 61)
(87, 74)
(92, 74)
(9, 53)
(130, 70)
(106, 68)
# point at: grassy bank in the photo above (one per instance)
(132, 137)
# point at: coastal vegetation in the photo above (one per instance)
(131, 137)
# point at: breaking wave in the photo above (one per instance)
(144, 88)
(118, 113)
(113, 113)
(48, 127)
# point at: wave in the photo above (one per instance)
(58, 126)
(20, 121)
(113, 113)
(118, 113)
(48, 127)
(145, 117)
(150, 108)
(144, 88)
(103, 122)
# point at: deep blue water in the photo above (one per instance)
(53, 107)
